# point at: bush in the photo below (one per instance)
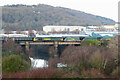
(77, 58)
(87, 57)
(116, 73)
(14, 63)
(10, 47)
(71, 75)
(104, 43)
(96, 60)
(92, 73)
(91, 42)
(52, 62)
(36, 73)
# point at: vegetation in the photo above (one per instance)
(36, 73)
(14, 59)
(8, 49)
(86, 61)
(91, 60)
(14, 63)
(24, 17)
(91, 42)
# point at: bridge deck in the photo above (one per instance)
(50, 43)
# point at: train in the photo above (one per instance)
(60, 37)
(74, 37)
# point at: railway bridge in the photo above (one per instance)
(53, 45)
(26, 42)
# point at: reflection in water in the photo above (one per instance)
(38, 63)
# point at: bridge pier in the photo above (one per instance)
(27, 47)
(53, 45)
(55, 49)
(51, 50)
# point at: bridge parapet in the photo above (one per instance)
(51, 43)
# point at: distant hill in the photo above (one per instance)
(24, 17)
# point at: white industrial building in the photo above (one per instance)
(92, 28)
(106, 28)
(23, 32)
(63, 28)
(13, 35)
(110, 28)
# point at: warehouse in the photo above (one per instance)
(110, 28)
(63, 28)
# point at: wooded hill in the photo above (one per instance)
(24, 17)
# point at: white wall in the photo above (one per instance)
(62, 28)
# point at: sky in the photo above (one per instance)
(104, 8)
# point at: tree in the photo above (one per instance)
(14, 63)
(30, 32)
(11, 47)
(77, 58)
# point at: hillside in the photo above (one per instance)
(22, 17)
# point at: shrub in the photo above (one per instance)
(104, 43)
(10, 47)
(14, 63)
(92, 73)
(96, 60)
(71, 75)
(52, 62)
(77, 58)
(116, 73)
(87, 57)
(36, 73)
(91, 42)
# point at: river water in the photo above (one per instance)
(41, 63)
(38, 63)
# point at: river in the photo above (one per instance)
(41, 63)
(38, 63)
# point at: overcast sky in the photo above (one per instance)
(105, 8)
